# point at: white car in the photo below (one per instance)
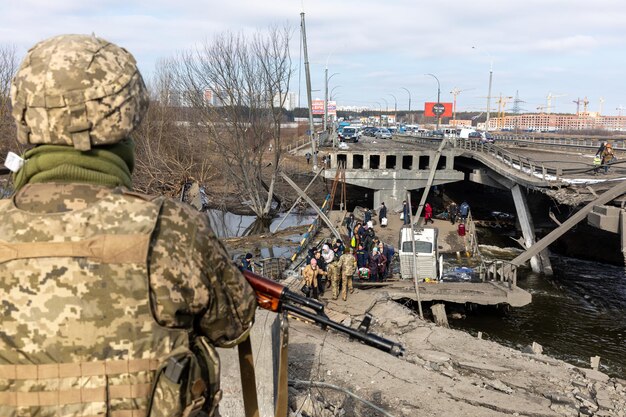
(383, 133)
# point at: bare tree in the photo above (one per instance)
(247, 80)
(8, 67)
(169, 150)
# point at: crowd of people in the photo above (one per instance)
(336, 264)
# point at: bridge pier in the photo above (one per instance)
(539, 263)
(391, 197)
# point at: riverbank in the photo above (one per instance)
(444, 372)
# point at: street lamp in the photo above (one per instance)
(326, 95)
(395, 103)
(332, 91)
(438, 97)
(386, 111)
(405, 89)
(380, 112)
(488, 91)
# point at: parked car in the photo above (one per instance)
(383, 133)
(483, 137)
(349, 134)
(369, 131)
(436, 133)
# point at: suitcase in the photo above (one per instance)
(383, 222)
(370, 224)
(364, 273)
(461, 229)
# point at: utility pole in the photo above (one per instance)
(308, 92)
(325, 97)
(439, 100)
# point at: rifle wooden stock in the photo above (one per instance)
(275, 297)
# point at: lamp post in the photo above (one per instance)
(386, 111)
(326, 95)
(380, 112)
(489, 90)
(438, 97)
(405, 89)
(332, 92)
(395, 105)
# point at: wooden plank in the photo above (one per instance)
(232, 400)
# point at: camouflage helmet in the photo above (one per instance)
(77, 90)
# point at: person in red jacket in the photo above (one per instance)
(428, 214)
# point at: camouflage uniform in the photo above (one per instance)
(107, 293)
(347, 264)
(139, 301)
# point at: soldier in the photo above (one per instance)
(347, 264)
(113, 300)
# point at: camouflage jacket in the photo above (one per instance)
(347, 262)
(136, 277)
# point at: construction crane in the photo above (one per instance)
(549, 98)
(601, 105)
(578, 101)
(455, 92)
(541, 108)
(585, 103)
(502, 101)
(619, 109)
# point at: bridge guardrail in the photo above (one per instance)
(523, 164)
(567, 143)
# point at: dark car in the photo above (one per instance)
(369, 131)
(483, 137)
(436, 133)
(349, 134)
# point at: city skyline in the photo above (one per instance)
(566, 49)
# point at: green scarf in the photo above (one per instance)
(110, 165)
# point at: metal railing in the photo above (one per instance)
(500, 271)
(561, 142)
(524, 165)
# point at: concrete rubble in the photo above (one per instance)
(444, 372)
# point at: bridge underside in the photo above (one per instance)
(392, 174)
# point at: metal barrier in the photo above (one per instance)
(524, 165)
(501, 271)
(273, 267)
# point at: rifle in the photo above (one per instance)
(276, 297)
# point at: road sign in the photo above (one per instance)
(438, 109)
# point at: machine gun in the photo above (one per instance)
(276, 297)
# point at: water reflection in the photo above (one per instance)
(226, 224)
(577, 314)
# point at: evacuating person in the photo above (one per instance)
(367, 216)
(406, 216)
(382, 213)
(312, 274)
(321, 264)
(607, 156)
(464, 209)
(347, 264)
(453, 211)
(246, 262)
(428, 214)
(361, 257)
(374, 263)
(308, 158)
(103, 286)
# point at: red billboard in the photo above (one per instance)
(431, 109)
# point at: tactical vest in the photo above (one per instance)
(77, 335)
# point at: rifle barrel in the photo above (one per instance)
(368, 338)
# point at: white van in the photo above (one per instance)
(426, 253)
(464, 133)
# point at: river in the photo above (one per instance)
(578, 313)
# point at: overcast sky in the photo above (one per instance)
(570, 48)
